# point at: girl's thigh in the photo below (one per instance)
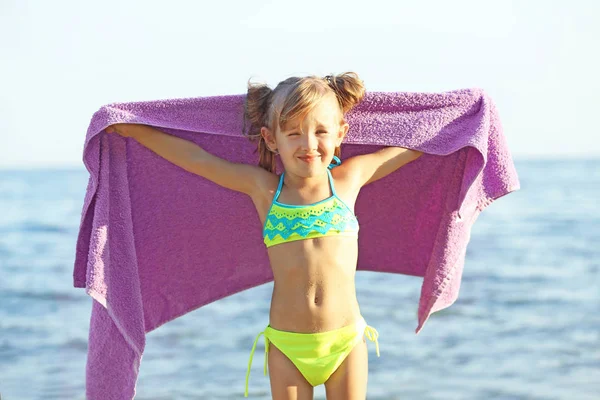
(349, 381)
(287, 383)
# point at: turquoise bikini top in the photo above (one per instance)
(329, 217)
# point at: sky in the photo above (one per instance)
(63, 60)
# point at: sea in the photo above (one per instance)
(526, 324)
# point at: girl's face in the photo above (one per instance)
(307, 147)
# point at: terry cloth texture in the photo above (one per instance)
(156, 241)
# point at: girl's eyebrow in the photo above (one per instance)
(319, 125)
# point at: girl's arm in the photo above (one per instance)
(180, 152)
(245, 178)
(367, 168)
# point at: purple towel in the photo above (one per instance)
(156, 242)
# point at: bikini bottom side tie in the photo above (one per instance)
(252, 354)
(372, 335)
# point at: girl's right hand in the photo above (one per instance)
(118, 129)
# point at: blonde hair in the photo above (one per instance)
(291, 98)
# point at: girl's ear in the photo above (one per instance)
(342, 133)
(268, 137)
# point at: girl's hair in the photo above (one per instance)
(292, 98)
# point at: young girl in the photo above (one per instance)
(316, 332)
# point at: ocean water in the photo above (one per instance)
(525, 326)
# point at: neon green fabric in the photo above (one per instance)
(316, 355)
(329, 217)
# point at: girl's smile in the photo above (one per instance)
(309, 159)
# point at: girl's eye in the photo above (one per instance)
(292, 134)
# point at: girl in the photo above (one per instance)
(316, 332)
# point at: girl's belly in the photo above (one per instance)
(314, 291)
(295, 312)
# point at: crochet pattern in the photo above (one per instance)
(329, 217)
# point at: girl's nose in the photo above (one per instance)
(309, 141)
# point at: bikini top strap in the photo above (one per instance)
(334, 162)
(279, 187)
(331, 185)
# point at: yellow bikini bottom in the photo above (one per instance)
(316, 355)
